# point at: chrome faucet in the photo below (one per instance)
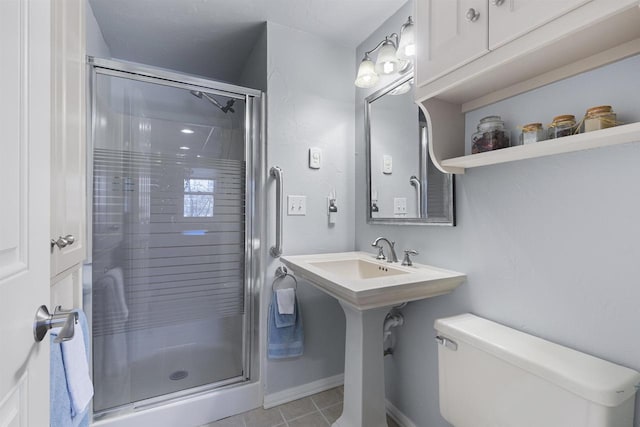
(392, 257)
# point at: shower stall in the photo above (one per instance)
(175, 162)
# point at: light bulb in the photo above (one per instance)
(387, 62)
(407, 43)
(367, 76)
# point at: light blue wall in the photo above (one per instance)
(550, 245)
(254, 71)
(96, 45)
(310, 103)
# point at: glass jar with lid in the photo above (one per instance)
(491, 135)
(532, 132)
(600, 117)
(564, 125)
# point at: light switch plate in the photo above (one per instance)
(399, 205)
(315, 157)
(387, 164)
(296, 205)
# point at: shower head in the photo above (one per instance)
(227, 107)
(212, 100)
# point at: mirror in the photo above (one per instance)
(404, 186)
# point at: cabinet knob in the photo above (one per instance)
(497, 3)
(63, 242)
(472, 15)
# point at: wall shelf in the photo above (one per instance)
(602, 138)
(595, 34)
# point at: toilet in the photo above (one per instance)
(494, 376)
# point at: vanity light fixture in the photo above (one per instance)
(393, 56)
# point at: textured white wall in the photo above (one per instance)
(550, 245)
(310, 104)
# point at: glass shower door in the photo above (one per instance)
(168, 239)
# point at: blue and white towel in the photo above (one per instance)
(71, 387)
(286, 336)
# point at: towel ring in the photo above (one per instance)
(281, 274)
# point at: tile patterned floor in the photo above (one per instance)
(319, 410)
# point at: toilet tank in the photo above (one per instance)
(494, 376)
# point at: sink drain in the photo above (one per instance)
(178, 375)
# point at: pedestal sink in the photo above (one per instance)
(367, 288)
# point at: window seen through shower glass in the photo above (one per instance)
(168, 249)
(198, 197)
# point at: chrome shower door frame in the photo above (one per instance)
(254, 202)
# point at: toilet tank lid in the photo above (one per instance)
(592, 378)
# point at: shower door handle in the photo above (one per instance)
(277, 173)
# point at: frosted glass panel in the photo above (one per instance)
(168, 241)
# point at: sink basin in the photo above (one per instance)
(357, 269)
(361, 280)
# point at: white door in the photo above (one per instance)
(510, 19)
(24, 213)
(451, 33)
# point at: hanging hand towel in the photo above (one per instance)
(76, 366)
(284, 320)
(285, 341)
(71, 390)
(286, 300)
(60, 413)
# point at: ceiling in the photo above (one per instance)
(214, 37)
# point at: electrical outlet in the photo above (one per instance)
(296, 205)
(400, 206)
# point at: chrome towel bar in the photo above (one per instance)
(277, 173)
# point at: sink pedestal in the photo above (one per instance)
(364, 397)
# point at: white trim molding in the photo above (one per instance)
(398, 416)
(304, 390)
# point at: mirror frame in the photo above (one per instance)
(423, 166)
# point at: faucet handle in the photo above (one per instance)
(407, 257)
(380, 252)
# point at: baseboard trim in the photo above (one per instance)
(295, 393)
(398, 416)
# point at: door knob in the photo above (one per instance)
(63, 242)
(472, 15)
(60, 318)
(497, 3)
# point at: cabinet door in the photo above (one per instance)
(451, 33)
(509, 19)
(68, 172)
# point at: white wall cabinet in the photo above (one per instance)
(455, 33)
(68, 155)
(509, 19)
(527, 44)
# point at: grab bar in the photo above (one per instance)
(414, 181)
(277, 173)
